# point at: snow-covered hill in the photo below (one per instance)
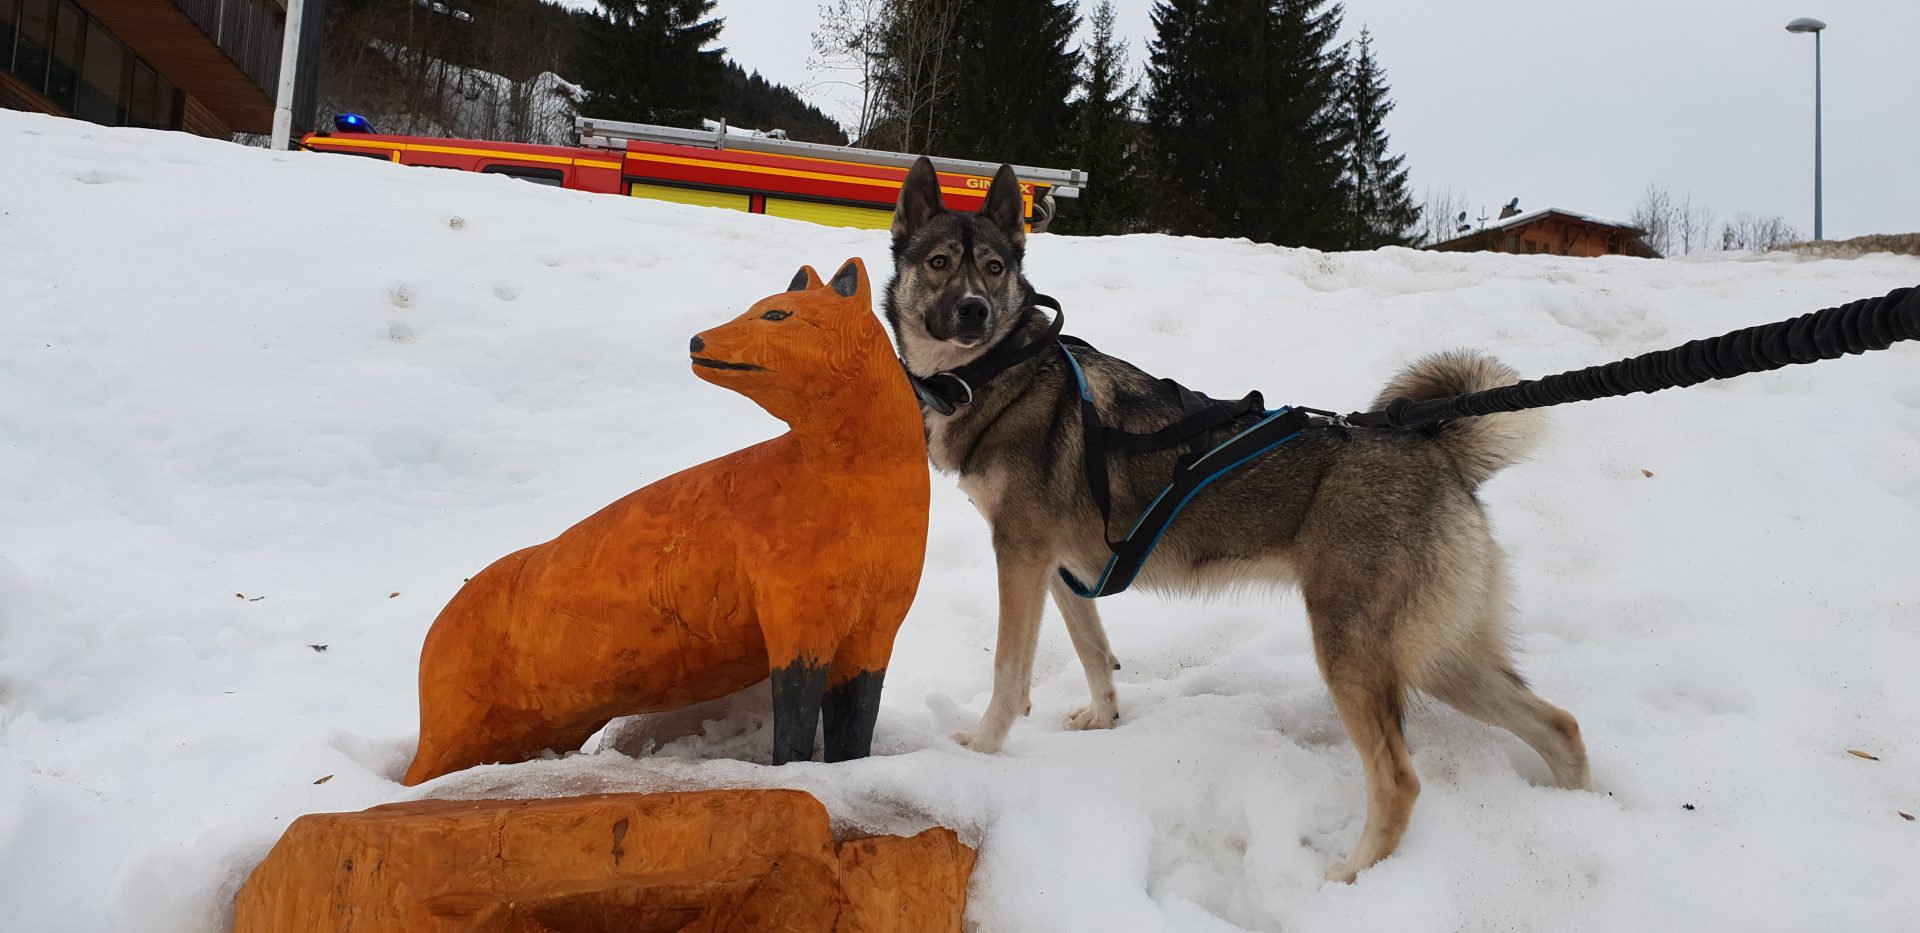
(261, 413)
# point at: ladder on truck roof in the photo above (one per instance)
(613, 134)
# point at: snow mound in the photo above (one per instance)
(262, 413)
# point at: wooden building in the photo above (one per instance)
(1554, 232)
(210, 67)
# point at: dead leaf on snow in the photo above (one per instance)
(324, 779)
(1860, 754)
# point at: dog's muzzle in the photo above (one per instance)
(970, 319)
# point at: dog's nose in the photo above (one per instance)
(972, 307)
(696, 344)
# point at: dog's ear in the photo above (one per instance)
(1005, 208)
(805, 280)
(851, 280)
(919, 201)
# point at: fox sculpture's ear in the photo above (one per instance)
(805, 280)
(919, 201)
(851, 280)
(1004, 207)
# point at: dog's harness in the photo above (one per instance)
(1867, 324)
(949, 390)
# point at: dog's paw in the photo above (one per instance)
(1341, 874)
(980, 741)
(1098, 716)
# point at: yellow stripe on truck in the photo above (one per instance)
(831, 215)
(694, 196)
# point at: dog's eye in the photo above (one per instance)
(936, 262)
(994, 267)
(776, 315)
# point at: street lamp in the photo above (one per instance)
(1809, 24)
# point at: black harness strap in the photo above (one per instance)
(948, 391)
(1201, 415)
(1192, 472)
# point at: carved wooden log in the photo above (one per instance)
(754, 861)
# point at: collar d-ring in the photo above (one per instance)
(962, 383)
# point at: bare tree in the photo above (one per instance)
(849, 44)
(917, 70)
(1440, 215)
(1758, 233)
(1657, 214)
(1692, 224)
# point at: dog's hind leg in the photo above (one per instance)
(1023, 594)
(1488, 689)
(1356, 659)
(1096, 656)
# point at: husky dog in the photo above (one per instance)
(1381, 530)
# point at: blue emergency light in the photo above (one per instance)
(352, 123)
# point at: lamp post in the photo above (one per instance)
(289, 71)
(1808, 24)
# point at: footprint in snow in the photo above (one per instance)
(102, 177)
(401, 296)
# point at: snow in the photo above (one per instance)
(254, 402)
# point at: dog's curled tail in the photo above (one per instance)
(1481, 446)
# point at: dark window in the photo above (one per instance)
(155, 103)
(103, 73)
(539, 176)
(63, 76)
(36, 34)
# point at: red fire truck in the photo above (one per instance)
(758, 173)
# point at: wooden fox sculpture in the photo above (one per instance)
(793, 560)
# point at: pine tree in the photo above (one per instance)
(1242, 107)
(1380, 209)
(1013, 72)
(648, 61)
(1104, 138)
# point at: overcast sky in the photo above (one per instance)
(1582, 105)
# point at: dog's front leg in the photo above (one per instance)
(1023, 590)
(1096, 656)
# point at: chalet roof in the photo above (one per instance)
(1526, 217)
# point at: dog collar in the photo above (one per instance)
(949, 390)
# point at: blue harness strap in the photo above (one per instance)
(1191, 474)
